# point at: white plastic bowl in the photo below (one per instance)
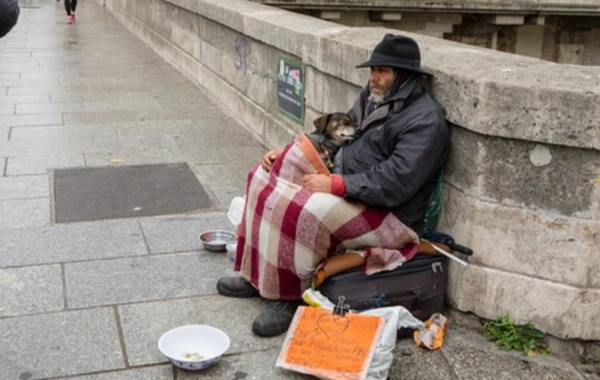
(193, 347)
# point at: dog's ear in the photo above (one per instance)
(321, 122)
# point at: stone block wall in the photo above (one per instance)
(523, 180)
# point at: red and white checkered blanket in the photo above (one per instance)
(288, 231)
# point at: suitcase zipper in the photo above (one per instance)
(350, 275)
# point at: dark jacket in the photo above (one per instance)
(395, 162)
(9, 14)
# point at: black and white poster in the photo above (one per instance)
(290, 88)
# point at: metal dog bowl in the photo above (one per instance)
(216, 240)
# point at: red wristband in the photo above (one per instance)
(338, 187)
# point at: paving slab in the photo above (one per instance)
(473, 357)
(37, 119)
(181, 233)
(59, 344)
(34, 186)
(65, 243)
(7, 109)
(143, 278)
(31, 290)
(159, 372)
(23, 99)
(40, 148)
(48, 108)
(144, 323)
(62, 132)
(39, 89)
(24, 213)
(34, 164)
(259, 365)
(147, 128)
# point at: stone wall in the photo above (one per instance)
(523, 180)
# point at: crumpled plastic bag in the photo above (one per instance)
(433, 335)
(236, 210)
(395, 317)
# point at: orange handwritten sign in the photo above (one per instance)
(330, 346)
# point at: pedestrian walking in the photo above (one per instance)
(70, 6)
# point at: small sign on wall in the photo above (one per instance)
(290, 88)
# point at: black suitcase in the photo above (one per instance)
(418, 284)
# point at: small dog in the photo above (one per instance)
(333, 130)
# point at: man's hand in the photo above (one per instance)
(319, 183)
(269, 158)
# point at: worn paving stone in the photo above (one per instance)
(123, 104)
(408, 363)
(34, 90)
(62, 132)
(7, 109)
(143, 324)
(473, 357)
(225, 194)
(28, 165)
(179, 234)
(40, 148)
(146, 278)
(37, 119)
(71, 242)
(59, 344)
(24, 213)
(48, 108)
(31, 290)
(23, 99)
(147, 128)
(217, 154)
(257, 365)
(35, 186)
(159, 372)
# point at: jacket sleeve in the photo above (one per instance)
(419, 152)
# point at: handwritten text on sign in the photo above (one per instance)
(327, 345)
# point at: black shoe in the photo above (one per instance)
(276, 319)
(236, 287)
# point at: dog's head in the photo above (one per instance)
(337, 126)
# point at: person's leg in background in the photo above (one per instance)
(70, 8)
(73, 6)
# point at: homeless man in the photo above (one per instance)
(394, 164)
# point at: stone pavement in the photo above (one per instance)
(89, 300)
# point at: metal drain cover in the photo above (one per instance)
(117, 192)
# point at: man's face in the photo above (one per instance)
(380, 83)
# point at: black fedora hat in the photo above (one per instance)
(396, 51)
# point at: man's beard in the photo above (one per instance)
(378, 98)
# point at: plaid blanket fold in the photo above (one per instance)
(288, 231)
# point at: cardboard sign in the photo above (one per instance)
(330, 346)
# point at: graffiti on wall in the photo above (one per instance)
(242, 48)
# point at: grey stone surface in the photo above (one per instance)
(36, 119)
(62, 132)
(159, 372)
(37, 164)
(180, 234)
(36, 186)
(24, 213)
(161, 115)
(59, 344)
(59, 244)
(255, 365)
(31, 290)
(143, 324)
(143, 278)
(524, 181)
(472, 357)
(36, 148)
